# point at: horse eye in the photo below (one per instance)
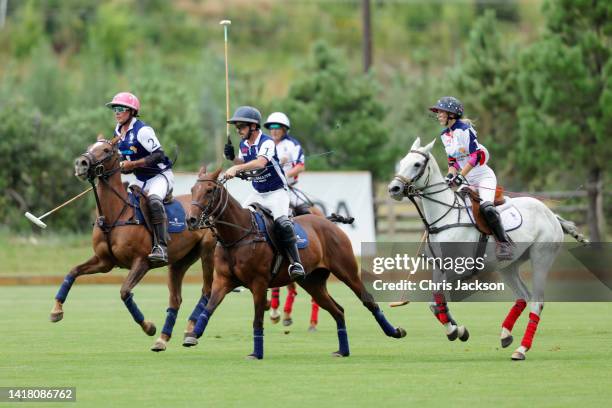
(417, 164)
(210, 190)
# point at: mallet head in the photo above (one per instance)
(225, 22)
(35, 220)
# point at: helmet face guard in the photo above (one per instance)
(448, 104)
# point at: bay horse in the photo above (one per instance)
(118, 241)
(446, 219)
(242, 257)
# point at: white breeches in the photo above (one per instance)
(483, 178)
(158, 185)
(276, 201)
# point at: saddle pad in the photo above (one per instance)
(174, 212)
(511, 217)
(302, 237)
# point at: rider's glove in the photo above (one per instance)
(228, 151)
(459, 180)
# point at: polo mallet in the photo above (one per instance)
(37, 220)
(225, 24)
(404, 301)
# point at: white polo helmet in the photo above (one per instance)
(277, 118)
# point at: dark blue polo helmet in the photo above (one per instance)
(448, 104)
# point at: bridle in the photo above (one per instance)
(97, 170)
(211, 212)
(96, 167)
(409, 190)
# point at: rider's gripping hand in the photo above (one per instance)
(228, 151)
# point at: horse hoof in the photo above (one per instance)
(452, 336)
(190, 340)
(399, 333)
(518, 356)
(56, 317)
(287, 322)
(159, 345)
(340, 354)
(506, 341)
(275, 319)
(149, 328)
(254, 356)
(312, 329)
(465, 335)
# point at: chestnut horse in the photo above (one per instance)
(119, 241)
(243, 258)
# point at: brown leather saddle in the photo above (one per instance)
(481, 223)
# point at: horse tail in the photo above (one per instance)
(339, 219)
(570, 228)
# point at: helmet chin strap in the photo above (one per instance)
(248, 135)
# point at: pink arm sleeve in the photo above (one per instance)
(475, 157)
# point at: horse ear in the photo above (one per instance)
(202, 170)
(100, 137)
(416, 144)
(428, 148)
(216, 173)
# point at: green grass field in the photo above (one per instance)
(101, 351)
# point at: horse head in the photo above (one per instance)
(414, 172)
(205, 199)
(98, 160)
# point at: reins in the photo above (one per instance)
(410, 191)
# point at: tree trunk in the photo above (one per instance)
(595, 214)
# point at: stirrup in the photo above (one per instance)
(158, 255)
(503, 251)
(296, 271)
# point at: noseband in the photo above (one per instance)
(98, 165)
(408, 188)
(410, 191)
(215, 207)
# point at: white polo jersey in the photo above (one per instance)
(290, 154)
(462, 147)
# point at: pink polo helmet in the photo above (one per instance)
(125, 99)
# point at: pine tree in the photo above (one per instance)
(486, 83)
(333, 109)
(566, 95)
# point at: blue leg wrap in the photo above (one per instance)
(134, 311)
(384, 323)
(201, 324)
(170, 320)
(62, 293)
(343, 339)
(198, 309)
(258, 339)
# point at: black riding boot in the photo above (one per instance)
(287, 238)
(159, 253)
(503, 249)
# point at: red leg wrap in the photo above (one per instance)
(514, 314)
(441, 309)
(532, 326)
(314, 313)
(289, 301)
(275, 294)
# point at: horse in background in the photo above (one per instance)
(120, 241)
(243, 257)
